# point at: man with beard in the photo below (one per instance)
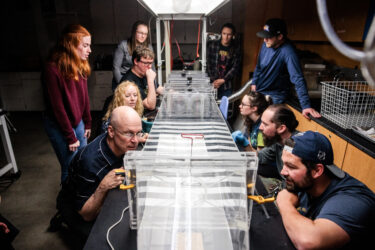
(323, 207)
(278, 123)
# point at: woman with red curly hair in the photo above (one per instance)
(67, 118)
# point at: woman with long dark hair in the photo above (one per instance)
(122, 58)
(251, 108)
(67, 118)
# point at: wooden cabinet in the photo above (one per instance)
(303, 123)
(360, 165)
(338, 145)
(348, 19)
(21, 91)
(346, 156)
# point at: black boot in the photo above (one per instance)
(55, 223)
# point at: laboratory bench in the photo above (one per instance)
(265, 232)
(193, 192)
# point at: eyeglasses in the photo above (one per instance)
(130, 135)
(146, 63)
(244, 104)
(141, 33)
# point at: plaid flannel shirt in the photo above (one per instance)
(232, 66)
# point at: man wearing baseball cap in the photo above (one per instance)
(278, 66)
(322, 206)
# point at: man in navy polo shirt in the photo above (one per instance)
(92, 171)
(323, 207)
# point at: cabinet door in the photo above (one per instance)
(11, 92)
(338, 145)
(303, 123)
(348, 19)
(32, 91)
(360, 165)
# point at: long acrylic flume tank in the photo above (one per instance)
(191, 182)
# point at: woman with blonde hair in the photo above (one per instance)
(67, 118)
(126, 94)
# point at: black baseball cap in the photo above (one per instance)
(273, 27)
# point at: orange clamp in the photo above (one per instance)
(125, 187)
(260, 199)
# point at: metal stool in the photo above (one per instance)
(11, 165)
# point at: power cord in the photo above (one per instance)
(110, 228)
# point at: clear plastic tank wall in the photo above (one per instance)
(191, 202)
(191, 180)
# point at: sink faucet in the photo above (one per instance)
(337, 76)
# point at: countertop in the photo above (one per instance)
(349, 135)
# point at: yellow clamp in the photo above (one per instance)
(122, 172)
(125, 187)
(250, 185)
(260, 199)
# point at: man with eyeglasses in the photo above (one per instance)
(278, 66)
(92, 172)
(141, 73)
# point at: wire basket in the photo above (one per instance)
(348, 103)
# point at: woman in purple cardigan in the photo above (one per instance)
(67, 118)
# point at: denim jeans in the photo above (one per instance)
(221, 92)
(277, 100)
(60, 145)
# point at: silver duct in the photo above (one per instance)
(235, 96)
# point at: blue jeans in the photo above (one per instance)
(60, 145)
(277, 100)
(221, 92)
